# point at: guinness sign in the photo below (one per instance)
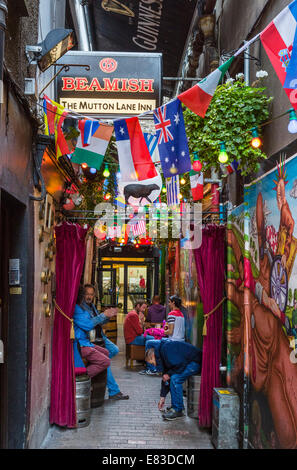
(116, 84)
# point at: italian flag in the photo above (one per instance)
(198, 98)
(196, 181)
(92, 143)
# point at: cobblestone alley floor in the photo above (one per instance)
(134, 423)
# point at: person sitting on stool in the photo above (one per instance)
(86, 318)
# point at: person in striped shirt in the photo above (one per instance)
(175, 320)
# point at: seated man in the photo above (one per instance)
(133, 329)
(178, 361)
(175, 320)
(86, 318)
(156, 313)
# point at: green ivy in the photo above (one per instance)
(234, 110)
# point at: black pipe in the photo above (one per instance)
(3, 15)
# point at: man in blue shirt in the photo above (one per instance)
(178, 360)
(86, 318)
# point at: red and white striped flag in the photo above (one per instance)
(139, 228)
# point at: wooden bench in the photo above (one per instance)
(134, 353)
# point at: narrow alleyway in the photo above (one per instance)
(135, 423)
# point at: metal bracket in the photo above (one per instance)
(36, 52)
(66, 67)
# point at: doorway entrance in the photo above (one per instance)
(122, 281)
(15, 263)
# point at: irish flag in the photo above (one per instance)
(196, 181)
(198, 98)
(92, 143)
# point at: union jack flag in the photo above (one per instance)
(162, 124)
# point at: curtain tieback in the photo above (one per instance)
(72, 335)
(204, 331)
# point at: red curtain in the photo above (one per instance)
(70, 255)
(210, 272)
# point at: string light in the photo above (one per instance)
(84, 166)
(163, 189)
(256, 141)
(292, 127)
(173, 169)
(197, 165)
(106, 172)
(93, 171)
(183, 181)
(223, 156)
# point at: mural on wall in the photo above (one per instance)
(262, 306)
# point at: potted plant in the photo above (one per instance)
(234, 111)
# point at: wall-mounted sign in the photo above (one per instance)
(117, 83)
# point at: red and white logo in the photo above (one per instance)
(108, 65)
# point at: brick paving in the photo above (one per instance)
(134, 423)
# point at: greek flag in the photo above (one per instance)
(172, 188)
(152, 144)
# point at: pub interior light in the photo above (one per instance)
(46, 53)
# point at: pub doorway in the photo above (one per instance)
(121, 282)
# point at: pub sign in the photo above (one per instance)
(110, 83)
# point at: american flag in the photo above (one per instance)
(172, 188)
(139, 227)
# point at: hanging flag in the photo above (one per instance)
(151, 141)
(196, 181)
(140, 182)
(172, 189)
(54, 115)
(172, 139)
(92, 143)
(134, 157)
(198, 98)
(139, 227)
(280, 43)
(49, 113)
(120, 202)
(230, 167)
(62, 147)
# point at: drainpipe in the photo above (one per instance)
(246, 65)
(3, 15)
(81, 24)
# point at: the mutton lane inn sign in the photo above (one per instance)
(111, 84)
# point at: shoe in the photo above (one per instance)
(172, 414)
(142, 372)
(150, 372)
(119, 396)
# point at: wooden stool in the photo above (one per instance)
(134, 352)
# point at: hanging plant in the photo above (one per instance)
(234, 110)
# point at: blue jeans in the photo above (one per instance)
(176, 385)
(113, 350)
(142, 341)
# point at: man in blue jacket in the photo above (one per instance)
(178, 361)
(86, 318)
